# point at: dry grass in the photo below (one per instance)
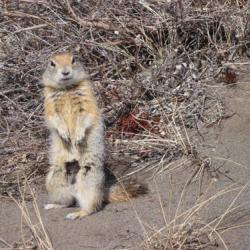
(153, 65)
(190, 229)
(33, 232)
(151, 62)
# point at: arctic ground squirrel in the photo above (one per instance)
(76, 173)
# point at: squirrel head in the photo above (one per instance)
(63, 71)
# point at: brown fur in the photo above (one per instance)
(124, 191)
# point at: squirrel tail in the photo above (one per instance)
(124, 191)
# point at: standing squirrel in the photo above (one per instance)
(76, 127)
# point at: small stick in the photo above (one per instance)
(31, 28)
(82, 22)
(5, 242)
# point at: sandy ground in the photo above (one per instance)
(125, 225)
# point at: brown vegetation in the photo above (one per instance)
(149, 62)
(152, 63)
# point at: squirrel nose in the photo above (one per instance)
(65, 73)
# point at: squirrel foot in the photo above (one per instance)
(77, 215)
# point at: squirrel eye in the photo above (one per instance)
(73, 60)
(52, 64)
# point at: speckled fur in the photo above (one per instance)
(76, 133)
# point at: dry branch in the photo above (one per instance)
(150, 62)
(87, 23)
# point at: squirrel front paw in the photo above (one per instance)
(65, 136)
(80, 138)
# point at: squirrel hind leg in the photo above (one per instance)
(89, 192)
(54, 206)
(58, 189)
(60, 199)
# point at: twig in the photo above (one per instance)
(31, 28)
(5, 242)
(86, 23)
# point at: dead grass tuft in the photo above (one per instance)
(33, 232)
(192, 229)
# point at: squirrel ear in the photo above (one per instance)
(73, 60)
(77, 48)
(52, 64)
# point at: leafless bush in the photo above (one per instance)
(151, 63)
